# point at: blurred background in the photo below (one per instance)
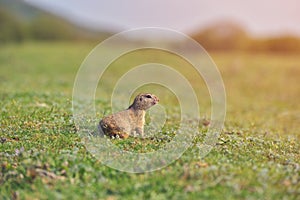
(271, 26)
(255, 45)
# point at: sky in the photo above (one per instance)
(258, 17)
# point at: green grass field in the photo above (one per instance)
(42, 156)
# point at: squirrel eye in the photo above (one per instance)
(148, 96)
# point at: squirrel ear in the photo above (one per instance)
(141, 98)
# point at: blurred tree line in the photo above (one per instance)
(43, 27)
(10, 28)
(40, 28)
(227, 36)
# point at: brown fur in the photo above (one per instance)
(130, 121)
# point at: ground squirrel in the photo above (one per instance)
(130, 121)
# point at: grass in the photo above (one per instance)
(42, 156)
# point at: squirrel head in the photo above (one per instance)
(144, 101)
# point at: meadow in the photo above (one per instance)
(43, 157)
